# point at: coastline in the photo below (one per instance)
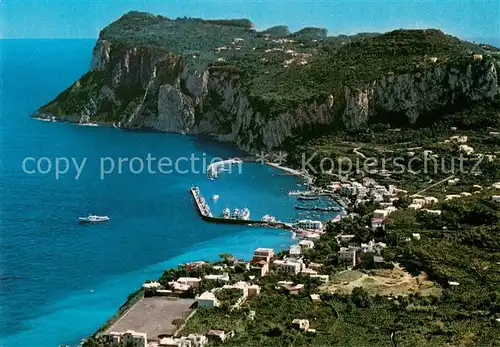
(308, 178)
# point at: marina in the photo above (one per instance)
(319, 208)
(205, 213)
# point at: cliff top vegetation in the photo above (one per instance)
(281, 69)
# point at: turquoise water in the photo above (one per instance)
(61, 280)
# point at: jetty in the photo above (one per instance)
(319, 208)
(204, 211)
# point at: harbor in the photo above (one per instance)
(206, 214)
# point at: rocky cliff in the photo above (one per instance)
(144, 86)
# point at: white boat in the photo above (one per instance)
(226, 213)
(89, 124)
(91, 218)
(268, 218)
(52, 119)
(236, 213)
(215, 197)
(244, 214)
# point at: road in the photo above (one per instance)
(435, 184)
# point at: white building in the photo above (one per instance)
(435, 212)
(301, 324)
(466, 149)
(380, 213)
(288, 266)
(430, 200)
(128, 338)
(373, 246)
(263, 253)
(295, 251)
(459, 139)
(344, 237)
(309, 224)
(224, 277)
(415, 206)
(306, 244)
(377, 223)
(348, 254)
(190, 281)
(453, 181)
(495, 198)
(151, 285)
(193, 340)
(308, 272)
(207, 299)
(253, 290)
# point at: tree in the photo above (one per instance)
(360, 297)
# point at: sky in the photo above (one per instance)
(472, 20)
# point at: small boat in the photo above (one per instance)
(226, 213)
(317, 208)
(236, 213)
(303, 197)
(244, 214)
(215, 197)
(91, 218)
(89, 124)
(51, 119)
(268, 218)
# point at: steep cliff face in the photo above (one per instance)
(142, 87)
(414, 95)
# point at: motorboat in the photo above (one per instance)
(303, 197)
(91, 218)
(215, 197)
(268, 218)
(244, 214)
(226, 213)
(236, 213)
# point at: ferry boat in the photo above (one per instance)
(244, 214)
(91, 218)
(236, 213)
(226, 213)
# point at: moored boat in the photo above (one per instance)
(303, 197)
(244, 214)
(236, 213)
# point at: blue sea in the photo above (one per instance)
(61, 280)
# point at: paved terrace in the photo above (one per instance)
(153, 316)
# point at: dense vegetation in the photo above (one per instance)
(273, 86)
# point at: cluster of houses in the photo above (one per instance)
(368, 189)
(294, 263)
(262, 262)
(350, 254)
(295, 58)
(136, 339)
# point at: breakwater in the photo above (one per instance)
(204, 211)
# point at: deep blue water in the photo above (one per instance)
(60, 280)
